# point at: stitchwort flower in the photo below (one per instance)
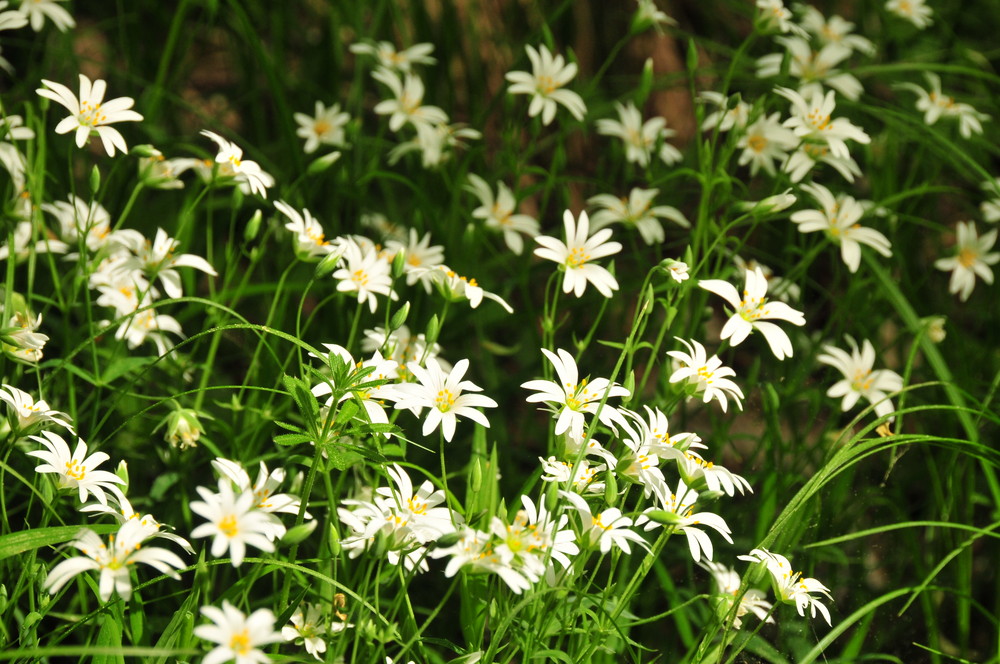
(549, 73)
(751, 311)
(973, 258)
(574, 255)
(90, 113)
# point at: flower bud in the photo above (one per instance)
(323, 163)
(183, 428)
(95, 180)
(253, 226)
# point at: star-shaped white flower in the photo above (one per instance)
(442, 394)
(973, 258)
(76, 470)
(574, 255)
(752, 310)
(545, 85)
(230, 158)
(238, 635)
(838, 217)
(789, 585)
(640, 138)
(860, 380)
(90, 113)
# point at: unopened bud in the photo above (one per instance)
(323, 163)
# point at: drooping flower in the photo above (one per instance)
(234, 521)
(420, 256)
(752, 310)
(445, 395)
(705, 375)
(237, 635)
(499, 212)
(775, 16)
(231, 161)
(915, 11)
(640, 138)
(860, 380)
(726, 117)
(324, 127)
(435, 142)
(77, 470)
(115, 560)
(545, 85)
(158, 172)
(262, 489)
(90, 113)
(789, 586)
(39, 10)
(637, 211)
(159, 260)
(727, 581)
(457, 288)
(574, 255)
(973, 258)
(29, 414)
(310, 241)
(838, 218)
(574, 397)
(648, 13)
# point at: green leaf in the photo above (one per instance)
(13, 544)
(124, 365)
(110, 636)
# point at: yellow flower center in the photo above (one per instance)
(228, 526)
(967, 257)
(757, 143)
(240, 643)
(577, 258)
(91, 116)
(444, 401)
(75, 471)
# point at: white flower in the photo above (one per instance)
(77, 470)
(973, 258)
(914, 11)
(789, 585)
(678, 270)
(771, 204)
(158, 259)
(231, 161)
(936, 104)
(237, 635)
(640, 138)
(706, 375)
(545, 85)
(725, 118)
(678, 513)
(310, 241)
(833, 30)
(812, 68)
(802, 161)
(574, 255)
(475, 549)
(636, 211)
(324, 127)
(38, 10)
(533, 539)
(728, 583)
(407, 104)
(647, 12)
(12, 19)
(692, 467)
(115, 560)
(23, 245)
(573, 396)
(442, 394)
(400, 346)
(158, 172)
(121, 510)
(813, 120)
(90, 113)
(499, 212)
(21, 338)
(147, 324)
(433, 142)
(390, 58)
(991, 208)
(838, 218)
(774, 16)
(309, 627)
(765, 141)
(366, 272)
(859, 378)
(607, 529)
(752, 310)
(456, 288)
(373, 398)
(562, 472)
(262, 489)
(28, 413)
(420, 256)
(234, 521)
